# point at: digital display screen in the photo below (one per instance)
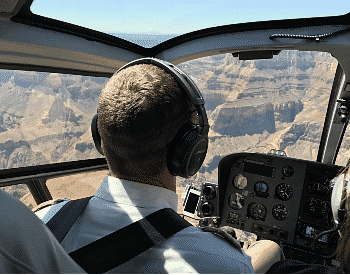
(192, 202)
(309, 232)
(258, 169)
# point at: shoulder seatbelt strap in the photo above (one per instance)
(64, 219)
(121, 246)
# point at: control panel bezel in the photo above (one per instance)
(290, 172)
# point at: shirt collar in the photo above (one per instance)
(136, 194)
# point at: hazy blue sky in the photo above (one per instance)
(180, 16)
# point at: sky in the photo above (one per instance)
(179, 16)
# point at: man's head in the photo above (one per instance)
(140, 110)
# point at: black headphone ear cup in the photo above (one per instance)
(186, 155)
(95, 135)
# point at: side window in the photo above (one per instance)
(21, 192)
(45, 117)
(344, 150)
(76, 186)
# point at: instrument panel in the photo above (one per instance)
(278, 198)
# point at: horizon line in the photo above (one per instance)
(145, 33)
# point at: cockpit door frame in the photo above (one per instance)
(334, 128)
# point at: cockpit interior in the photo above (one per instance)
(277, 96)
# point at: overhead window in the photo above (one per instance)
(148, 23)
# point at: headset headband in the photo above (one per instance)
(184, 81)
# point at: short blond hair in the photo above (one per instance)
(140, 110)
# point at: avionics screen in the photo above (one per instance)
(258, 169)
(191, 203)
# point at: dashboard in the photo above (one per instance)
(278, 198)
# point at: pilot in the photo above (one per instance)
(26, 244)
(140, 111)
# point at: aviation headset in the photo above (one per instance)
(340, 188)
(188, 149)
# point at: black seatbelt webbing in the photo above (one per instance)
(64, 219)
(119, 247)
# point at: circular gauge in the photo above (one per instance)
(236, 201)
(257, 211)
(287, 171)
(311, 206)
(261, 187)
(209, 191)
(323, 206)
(280, 212)
(320, 187)
(240, 181)
(284, 191)
(207, 208)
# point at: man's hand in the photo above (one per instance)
(225, 232)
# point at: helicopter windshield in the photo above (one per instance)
(252, 106)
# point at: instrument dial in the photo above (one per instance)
(284, 191)
(261, 187)
(320, 187)
(287, 171)
(280, 212)
(312, 205)
(257, 211)
(236, 201)
(240, 181)
(324, 208)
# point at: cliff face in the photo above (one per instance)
(240, 118)
(265, 104)
(287, 111)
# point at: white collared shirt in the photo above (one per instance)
(118, 203)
